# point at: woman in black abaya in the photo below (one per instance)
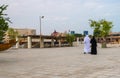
(93, 46)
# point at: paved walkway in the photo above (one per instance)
(65, 62)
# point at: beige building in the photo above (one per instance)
(21, 32)
(25, 32)
(114, 34)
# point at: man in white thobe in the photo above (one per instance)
(87, 45)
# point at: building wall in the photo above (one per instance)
(21, 32)
(24, 32)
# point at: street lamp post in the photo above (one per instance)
(40, 17)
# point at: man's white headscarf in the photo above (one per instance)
(86, 39)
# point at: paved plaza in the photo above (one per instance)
(63, 62)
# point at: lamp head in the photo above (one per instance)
(42, 16)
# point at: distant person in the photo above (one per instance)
(93, 46)
(87, 45)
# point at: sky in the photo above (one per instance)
(61, 15)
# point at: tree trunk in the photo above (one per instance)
(104, 44)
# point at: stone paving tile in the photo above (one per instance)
(69, 62)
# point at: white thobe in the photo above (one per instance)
(87, 44)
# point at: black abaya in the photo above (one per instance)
(93, 46)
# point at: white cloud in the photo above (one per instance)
(72, 13)
(58, 18)
(93, 5)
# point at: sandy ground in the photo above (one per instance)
(65, 62)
